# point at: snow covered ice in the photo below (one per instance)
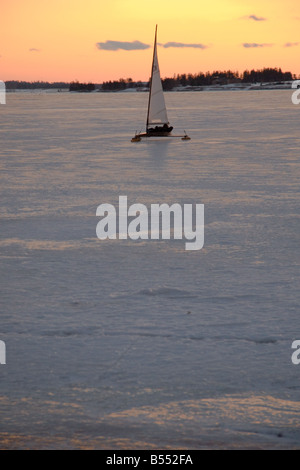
(140, 344)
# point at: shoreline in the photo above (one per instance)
(228, 87)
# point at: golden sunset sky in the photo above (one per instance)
(98, 40)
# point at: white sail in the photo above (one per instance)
(157, 112)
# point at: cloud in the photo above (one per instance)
(291, 44)
(248, 45)
(256, 18)
(181, 44)
(137, 45)
(33, 49)
(125, 46)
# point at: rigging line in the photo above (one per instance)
(155, 93)
(157, 114)
(150, 89)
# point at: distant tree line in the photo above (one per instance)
(267, 75)
(16, 84)
(226, 77)
(207, 79)
(82, 87)
(193, 80)
(121, 84)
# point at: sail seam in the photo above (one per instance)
(158, 112)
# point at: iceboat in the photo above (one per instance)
(157, 124)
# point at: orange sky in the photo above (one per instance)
(64, 40)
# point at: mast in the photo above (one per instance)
(150, 88)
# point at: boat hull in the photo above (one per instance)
(139, 137)
(156, 134)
